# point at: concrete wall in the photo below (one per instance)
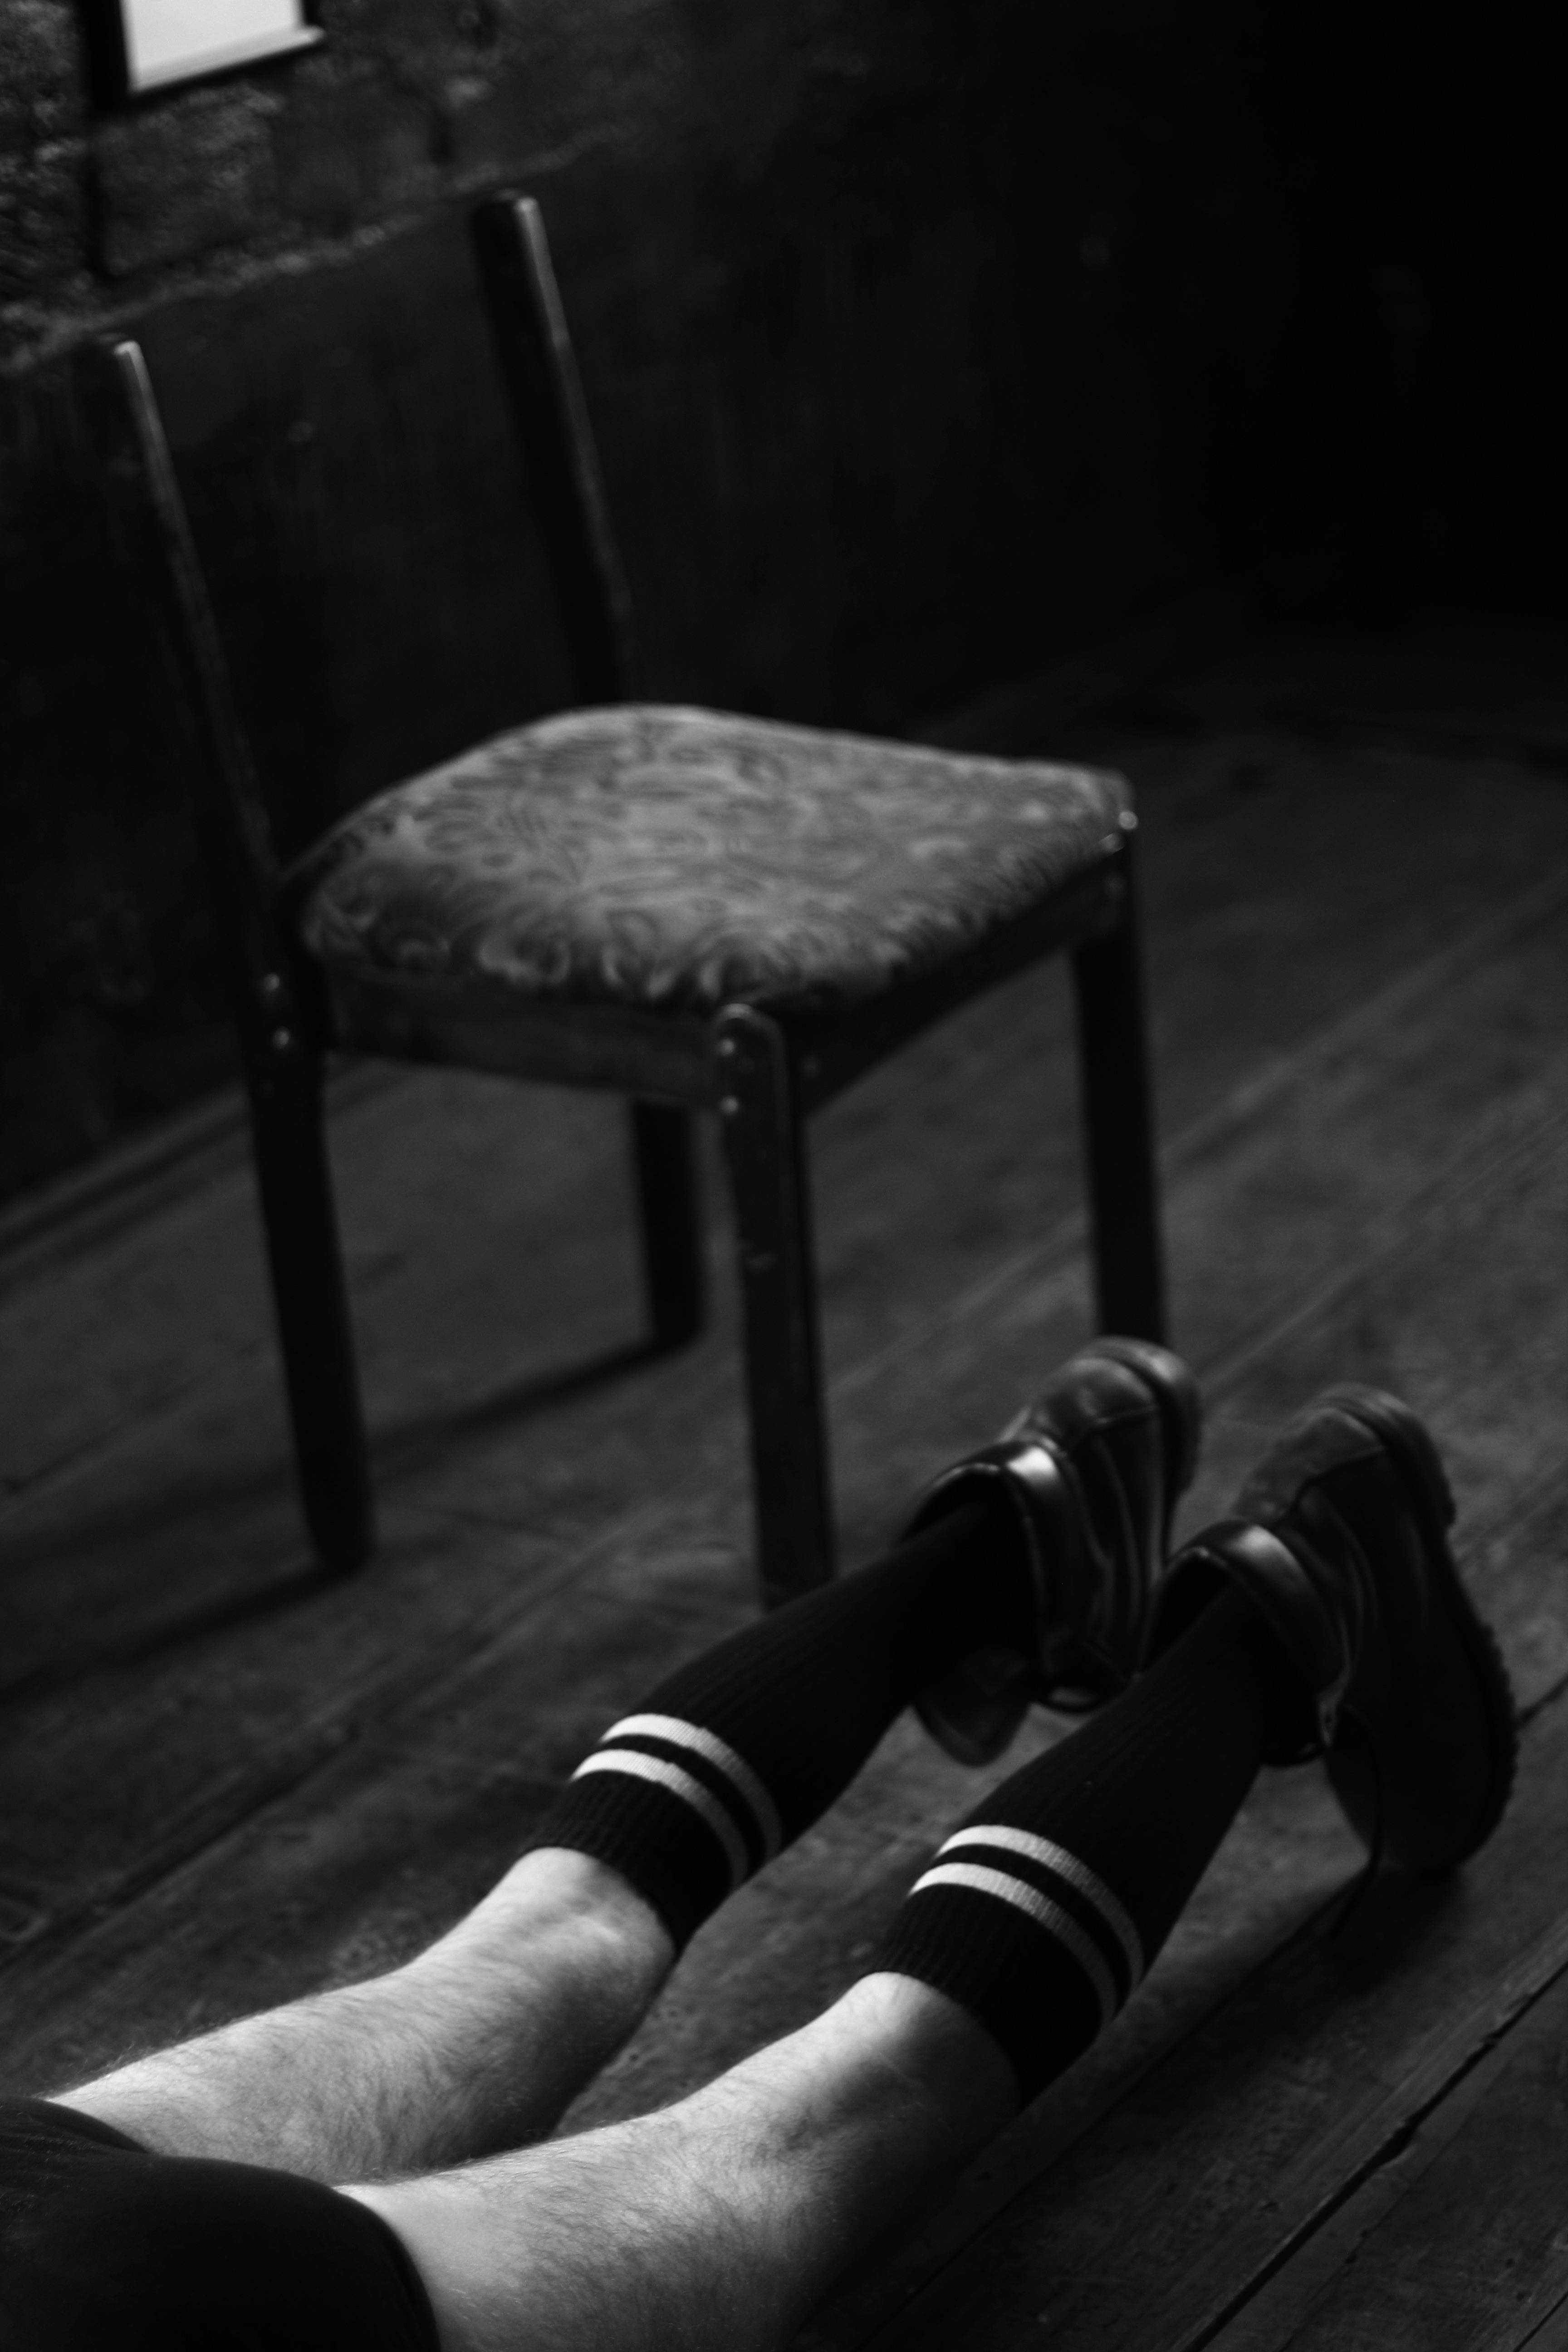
(919, 341)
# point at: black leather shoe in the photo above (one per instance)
(1091, 1470)
(1340, 1538)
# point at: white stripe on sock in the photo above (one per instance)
(665, 1775)
(722, 1755)
(1036, 1906)
(1077, 1874)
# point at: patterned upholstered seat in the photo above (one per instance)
(685, 858)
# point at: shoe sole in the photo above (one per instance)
(1176, 1393)
(1409, 1444)
(1179, 1404)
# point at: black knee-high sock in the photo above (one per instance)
(740, 1751)
(1044, 1910)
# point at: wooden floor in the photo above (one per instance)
(226, 1781)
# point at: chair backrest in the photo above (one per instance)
(551, 421)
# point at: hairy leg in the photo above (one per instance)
(479, 2043)
(723, 2220)
(717, 2224)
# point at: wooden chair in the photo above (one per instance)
(697, 910)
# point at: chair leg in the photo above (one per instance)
(1117, 1094)
(311, 1302)
(669, 1210)
(764, 1132)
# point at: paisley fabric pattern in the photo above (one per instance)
(684, 859)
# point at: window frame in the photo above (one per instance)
(111, 89)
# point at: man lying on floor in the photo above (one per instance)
(369, 2169)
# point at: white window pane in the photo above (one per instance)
(165, 38)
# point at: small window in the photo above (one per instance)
(144, 45)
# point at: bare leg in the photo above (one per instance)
(721, 2222)
(478, 2044)
(718, 2224)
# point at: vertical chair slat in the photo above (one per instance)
(549, 417)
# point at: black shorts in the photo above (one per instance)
(105, 2248)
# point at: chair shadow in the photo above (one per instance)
(401, 1443)
(394, 1448)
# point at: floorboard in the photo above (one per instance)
(1465, 2218)
(228, 1779)
(1154, 2225)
